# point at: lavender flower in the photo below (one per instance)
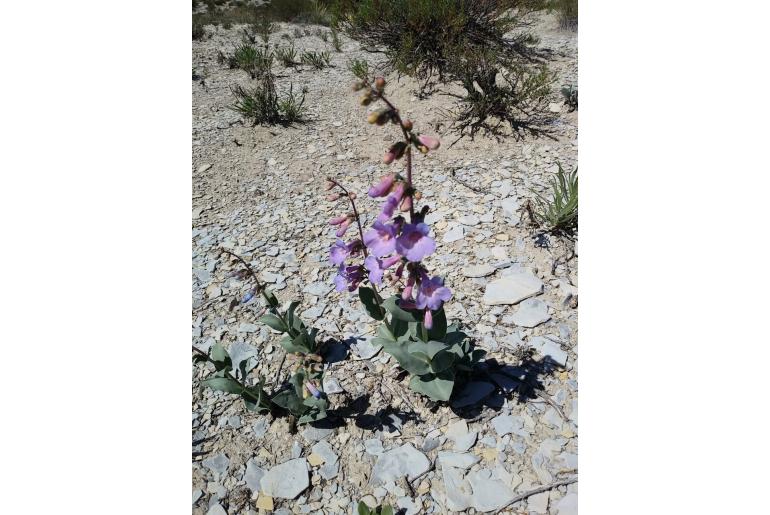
(312, 389)
(383, 187)
(432, 294)
(339, 252)
(414, 243)
(377, 267)
(249, 295)
(381, 239)
(343, 227)
(389, 207)
(348, 277)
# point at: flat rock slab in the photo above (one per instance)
(217, 465)
(567, 505)
(513, 288)
(286, 480)
(531, 313)
(478, 271)
(489, 493)
(253, 475)
(473, 393)
(461, 460)
(455, 233)
(548, 348)
(396, 463)
(365, 348)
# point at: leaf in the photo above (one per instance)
(436, 386)
(442, 361)
(274, 322)
(369, 300)
(223, 384)
(411, 364)
(386, 509)
(271, 298)
(288, 400)
(363, 508)
(220, 357)
(290, 316)
(391, 304)
(430, 348)
(298, 345)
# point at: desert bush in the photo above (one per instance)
(383, 509)
(336, 43)
(482, 45)
(568, 12)
(570, 94)
(323, 35)
(359, 68)
(318, 60)
(263, 105)
(254, 60)
(558, 211)
(286, 55)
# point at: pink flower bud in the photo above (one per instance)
(313, 390)
(343, 228)
(352, 195)
(332, 197)
(338, 220)
(379, 83)
(394, 152)
(406, 204)
(428, 320)
(429, 141)
(407, 293)
(389, 157)
(407, 124)
(329, 185)
(383, 187)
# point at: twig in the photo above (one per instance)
(465, 183)
(541, 489)
(547, 399)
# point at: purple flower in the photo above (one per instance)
(348, 277)
(383, 187)
(312, 389)
(249, 295)
(414, 243)
(432, 294)
(381, 239)
(344, 227)
(339, 252)
(377, 267)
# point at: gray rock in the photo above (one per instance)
(546, 347)
(567, 505)
(373, 446)
(531, 313)
(489, 493)
(470, 219)
(245, 327)
(459, 494)
(240, 351)
(329, 470)
(286, 480)
(464, 460)
(510, 207)
(259, 428)
(513, 288)
(459, 434)
(455, 233)
(538, 503)
(465, 442)
(216, 510)
(319, 289)
(332, 386)
(552, 419)
(505, 424)
(296, 450)
(217, 464)
(314, 434)
(396, 463)
(325, 451)
(473, 393)
(478, 270)
(410, 507)
(429, 444)
(197, 493)
(365, 348)
(253, 475)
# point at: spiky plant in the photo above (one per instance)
(558, 212)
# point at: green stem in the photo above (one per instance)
(260, 287)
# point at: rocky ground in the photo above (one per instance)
(258, 191)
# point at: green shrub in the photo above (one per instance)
(262, 105)
(558, 212)
(256, 61)
(570, 94)
(479, 44)
(383, 509)
(286, 55)
(336, 43)
(568, 12)
(318, 60)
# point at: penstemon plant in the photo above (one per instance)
(391, 253)
(303, 397)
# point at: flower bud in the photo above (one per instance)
(379, 83)
(394, 152)
(352, 195)
(366, 98)
(313, 390)
(249, 295)
(380, 116)
(429, 141)
(329, 185)
(338, 220)
(343, 228)
(423, 149)
(383, 187)
(332, 197)
(428, 320)
(407, 124)
(406, 204)
(417, 195)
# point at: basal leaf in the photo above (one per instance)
(274, 322)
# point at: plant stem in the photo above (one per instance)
(260, 287)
